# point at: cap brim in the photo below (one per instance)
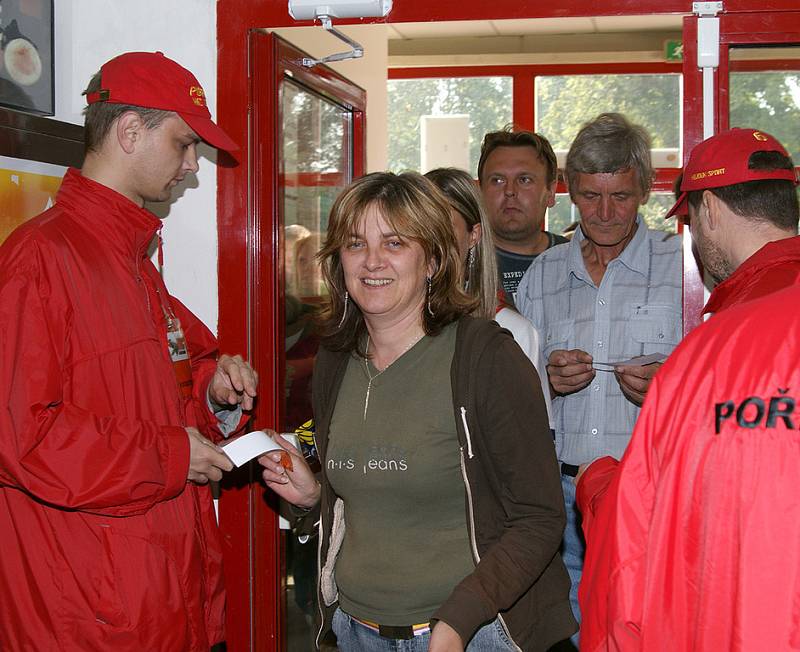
(210, 132)
(680, 207)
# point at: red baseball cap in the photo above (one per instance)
(722, 161)
(152, 81)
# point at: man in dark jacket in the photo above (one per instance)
(107, 381)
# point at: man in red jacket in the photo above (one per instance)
(666, 569)
(113, 394)
(738, 190)
(694, 544)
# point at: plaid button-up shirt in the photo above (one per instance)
(636, 310)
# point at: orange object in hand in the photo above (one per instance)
(286, 461)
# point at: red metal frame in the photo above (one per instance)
(263, 302)
(535, 69)
(312, 179)
(253, 617)
(274, 13)
(251, 273)
(414, 11)
(760, 65)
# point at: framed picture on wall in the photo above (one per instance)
(34, 154)
(26, 55)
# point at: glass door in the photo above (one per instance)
(306, 144)
(315, 155)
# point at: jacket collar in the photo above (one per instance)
(771, 254)
(125, 226)
(635, 256)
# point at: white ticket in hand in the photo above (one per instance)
(640, 361)
(247, 447)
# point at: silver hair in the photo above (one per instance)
(610, 143)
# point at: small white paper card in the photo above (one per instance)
(640, 361)
(247, 447)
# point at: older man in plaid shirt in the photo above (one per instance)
(613, 293)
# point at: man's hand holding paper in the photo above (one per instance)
(634, 380)
(569, 371)
(206, 459)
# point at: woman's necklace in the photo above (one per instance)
(370, 377)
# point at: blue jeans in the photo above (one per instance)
(573, 547)
(352, 636)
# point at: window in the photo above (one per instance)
(565, 102)
(648, 94)
(316, 134)
(476, 105)
(770, 101)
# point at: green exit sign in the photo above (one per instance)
(673, 50)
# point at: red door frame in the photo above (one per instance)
(755, 28)
(235, 18)
(778, 27)
(251, 255)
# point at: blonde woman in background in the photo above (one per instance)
(293, 233)
(476, 248)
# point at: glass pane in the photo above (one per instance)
(315, 157)
(441, 122)
(564, 213)
(770, 101)
(565, 102)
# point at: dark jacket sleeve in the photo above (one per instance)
(511, 443)
(304, 522)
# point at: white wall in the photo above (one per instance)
(88, 33)
(369, 72)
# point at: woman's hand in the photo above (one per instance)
(445, 639)
(296, 485)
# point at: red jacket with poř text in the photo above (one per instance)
(692, 538)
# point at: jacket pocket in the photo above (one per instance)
(558, 335)
(654, 328)
(140, 596)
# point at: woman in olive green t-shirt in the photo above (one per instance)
(402, 553)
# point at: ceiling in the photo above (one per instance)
(531, 40)
(529, 26)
